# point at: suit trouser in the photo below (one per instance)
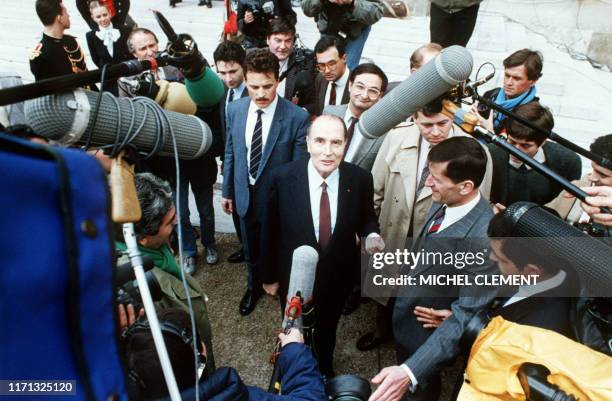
(452, 29)
(250, 227)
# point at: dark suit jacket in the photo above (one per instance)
(99, 52)
(245, 93)
(320, 86)
(288, 225)
(306, 96)
(548, 310)
(286, 142)
(561, 160)
(431, 350)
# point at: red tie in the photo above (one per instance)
(349, 135)
(332, 94)
(438, 218)
(324, 218)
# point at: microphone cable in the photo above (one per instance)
(161, 121)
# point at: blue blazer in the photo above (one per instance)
(286, 142)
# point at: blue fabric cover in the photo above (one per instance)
(43, 324)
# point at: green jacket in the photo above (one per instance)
(344, 19)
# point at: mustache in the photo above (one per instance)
(261, 99)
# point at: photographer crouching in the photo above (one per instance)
(153, 232)
(301, 379)
(254, 18)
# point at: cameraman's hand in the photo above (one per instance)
(248, 17)
(294, 336)
(599, 197)
(486, 123)
(127, 316)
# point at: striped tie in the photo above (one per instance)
(438, 218)
(256, 146)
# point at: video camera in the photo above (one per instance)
(126, 287)
(261, 10)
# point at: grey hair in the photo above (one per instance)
(135, 31)
(155, 197)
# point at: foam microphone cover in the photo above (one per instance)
(452, 66)
(302, 278)
(590, 257)
(67, 117)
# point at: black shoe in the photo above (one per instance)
(351, 304)
(369, 341)
(248, 302)
(236, 257)
(206, 3)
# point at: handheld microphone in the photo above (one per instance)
(451, 67)
(589, 256)
(140, 122)
(301, 281)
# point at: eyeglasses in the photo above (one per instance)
(330, 65)
(370, 92)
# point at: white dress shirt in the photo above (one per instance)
(108, 36)
(314, 188)
(526, 291)
(456, 213)
(266, 123)
(282, 67)
(424, 148)
(340, 85)
(355, 140)
(539, 157)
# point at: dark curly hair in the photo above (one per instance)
(261, 61)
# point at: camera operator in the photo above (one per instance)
(153, 232)
(569, 208)
(292, 61)
(350, 19)
(254, 18)
(301, 380)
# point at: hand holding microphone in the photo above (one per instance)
(598, 197)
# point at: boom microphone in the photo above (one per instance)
(303, 268)
(452, 66)
(589, 256)
(67, 118)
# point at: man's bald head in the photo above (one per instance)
(327, 122)
(423, 55)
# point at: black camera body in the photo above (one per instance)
(262, 10)
(126, 287)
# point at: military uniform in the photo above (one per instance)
(54, 57)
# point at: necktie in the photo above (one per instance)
(332, 94)
(349, 136)
(424, 174)
(256, 146)
(324, 218)
(438, 218)
(231, 96)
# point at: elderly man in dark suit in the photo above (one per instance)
(324, 203)
(263, 132)
(457, 223)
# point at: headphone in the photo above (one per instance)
(135, 385)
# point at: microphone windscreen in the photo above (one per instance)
(67, 118)
(303, 269)
(452, 66)
(590, 257)
(205, 90)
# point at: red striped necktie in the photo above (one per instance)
(438, 218)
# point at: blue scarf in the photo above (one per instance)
(510, 104)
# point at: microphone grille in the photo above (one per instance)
(454, 64)
(38, 111)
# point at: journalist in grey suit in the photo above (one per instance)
(367, 84)
(263, 131)
(457, 222)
